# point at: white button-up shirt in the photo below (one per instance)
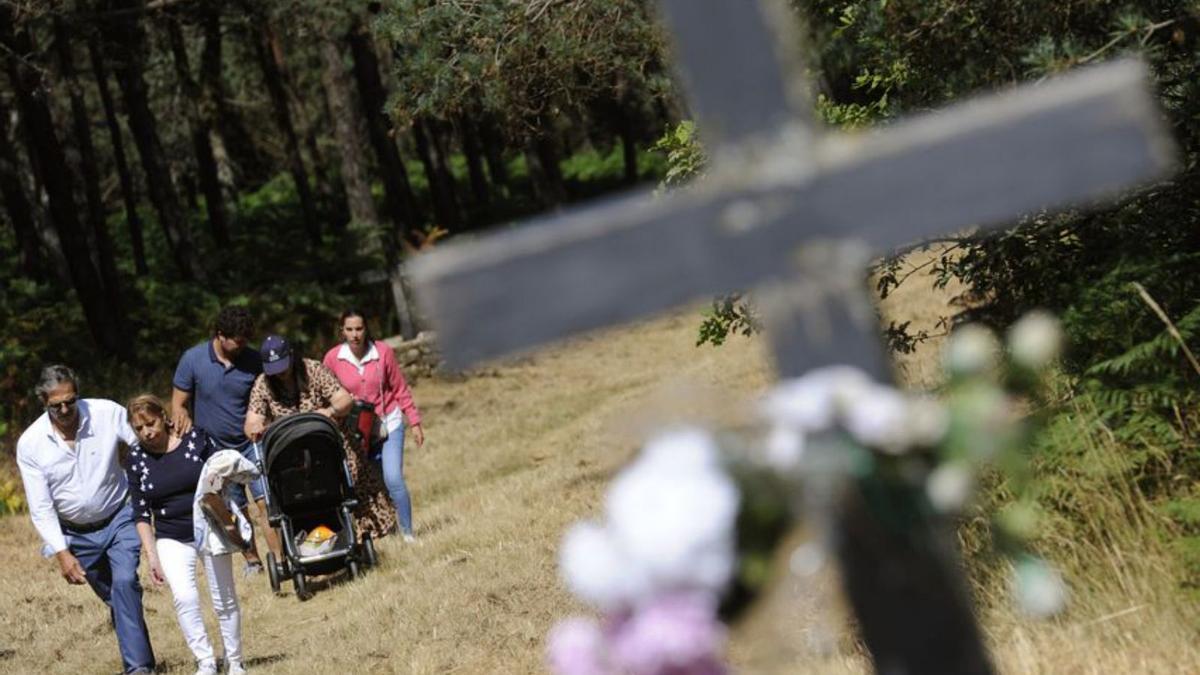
(81, 485)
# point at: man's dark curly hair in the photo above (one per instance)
(234, 322)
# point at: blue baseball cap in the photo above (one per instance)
(276, 354)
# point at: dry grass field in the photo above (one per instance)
(513, 456)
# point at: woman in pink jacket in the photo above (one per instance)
(368, 369)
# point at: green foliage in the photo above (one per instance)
(597, 167)
(521, 63)
(685, 157)
(728, 315)
(12, 497)
(289, 287)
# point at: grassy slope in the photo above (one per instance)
(525, 448)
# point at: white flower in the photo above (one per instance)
(675, 523)
(784, 448)
(809, 403)
(1039, 588)
(595, 569)
(971, 350)
(879, 418)
(681, 450)
(950, 486)
(1035, 340)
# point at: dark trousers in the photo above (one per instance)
(110, 556)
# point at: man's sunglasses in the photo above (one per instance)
(63, 405)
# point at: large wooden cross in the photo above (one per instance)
(785, 206)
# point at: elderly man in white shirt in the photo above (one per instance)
(76, 491)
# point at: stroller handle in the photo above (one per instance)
(262, 476)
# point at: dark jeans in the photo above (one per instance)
(110, 557)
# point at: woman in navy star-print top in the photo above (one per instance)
(163, 470)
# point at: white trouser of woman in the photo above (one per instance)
(178, 562)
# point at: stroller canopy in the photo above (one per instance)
(308, 430)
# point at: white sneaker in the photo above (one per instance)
(236, 668)
(409, 539)
(206, 667)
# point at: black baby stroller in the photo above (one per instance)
(308, 485)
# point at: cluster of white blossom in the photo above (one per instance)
(670, 527)
(841, 397)
(656, 567)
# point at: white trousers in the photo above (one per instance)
(178, 562)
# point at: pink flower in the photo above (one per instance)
(576, 647)
(676, 634)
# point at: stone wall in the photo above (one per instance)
(418, 357)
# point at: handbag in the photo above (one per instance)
(364, 426)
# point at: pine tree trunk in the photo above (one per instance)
(351, 139)
(252, 168)
(206, 163)
(128, 193)
(440, 189)
(625, 128)
(399, 203)
(470, 145)
(398, 283)
(493, 149)
(127, 48)
(51, 165)
(325, 184)
(20, 211)
(438, 131)
(270, 56)
(545, 176)
(105, 255)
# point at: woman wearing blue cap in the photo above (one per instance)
(289, 386)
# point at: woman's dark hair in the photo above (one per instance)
(299, 373)
(368, 338)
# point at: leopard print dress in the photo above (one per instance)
(375, 513)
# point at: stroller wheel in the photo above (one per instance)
(301, 584)
(370, 559)
(273, 572)
(354, 570)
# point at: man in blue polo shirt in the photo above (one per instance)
(215, 377)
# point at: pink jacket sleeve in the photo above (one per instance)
(398, 392)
